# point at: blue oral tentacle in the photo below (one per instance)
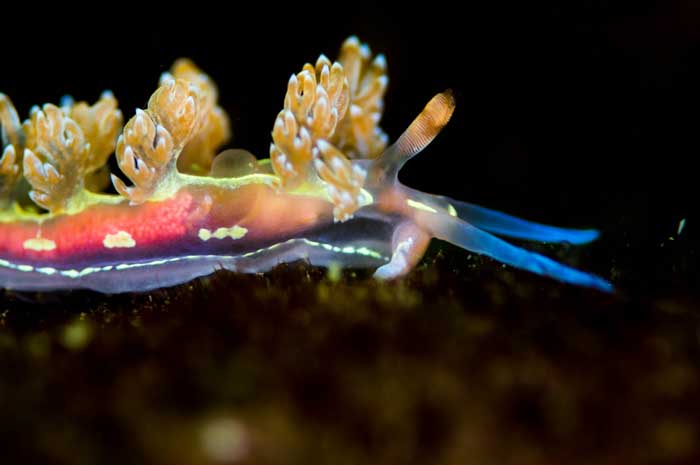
(469, 237)
(506, 225)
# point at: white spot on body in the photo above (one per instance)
(121, 239)
(234, 232)
(39, 244)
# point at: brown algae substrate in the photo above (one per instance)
(463, 361)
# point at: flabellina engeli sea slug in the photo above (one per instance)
(328, 193)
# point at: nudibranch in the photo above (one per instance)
(328, 193)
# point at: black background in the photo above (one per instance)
(578, 115)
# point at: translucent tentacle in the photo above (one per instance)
(463, 234)
(507, 225)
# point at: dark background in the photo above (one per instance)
(579, 115)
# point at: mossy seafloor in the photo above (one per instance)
(462, 362)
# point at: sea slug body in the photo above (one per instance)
(328, 193)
